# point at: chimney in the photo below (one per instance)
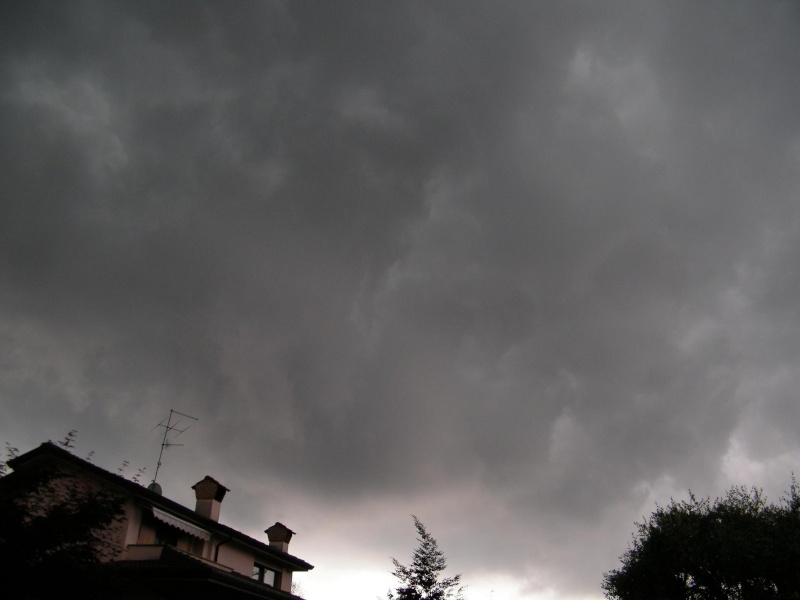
(209, 493)
(279, 536)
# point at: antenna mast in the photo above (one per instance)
(170, 426)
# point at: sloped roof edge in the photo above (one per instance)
(156, 501)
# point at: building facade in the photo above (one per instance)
(162, 549)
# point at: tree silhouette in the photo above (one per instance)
(421, 580)
(55, 533)
(737, 547)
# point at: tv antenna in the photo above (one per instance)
(169, 426)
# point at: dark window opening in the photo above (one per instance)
(265, 575)
(166, 535)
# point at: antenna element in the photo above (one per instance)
(165, 443)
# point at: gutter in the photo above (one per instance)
(216, 552)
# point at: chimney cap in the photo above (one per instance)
(279, 533)
(209, 489)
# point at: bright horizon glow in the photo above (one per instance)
(364, 584)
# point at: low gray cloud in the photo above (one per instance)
(523, 270)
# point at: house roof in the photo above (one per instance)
(157, 502)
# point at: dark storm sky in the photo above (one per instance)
(521, 269)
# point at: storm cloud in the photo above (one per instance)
(521, 269)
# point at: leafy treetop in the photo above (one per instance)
(422, 580)
(54, 523)
(736, 547)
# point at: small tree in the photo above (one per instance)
(737, 547)
(55, 532)
(421, 580)
(297, 589)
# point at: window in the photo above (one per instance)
(166, 535)
(265, 575)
